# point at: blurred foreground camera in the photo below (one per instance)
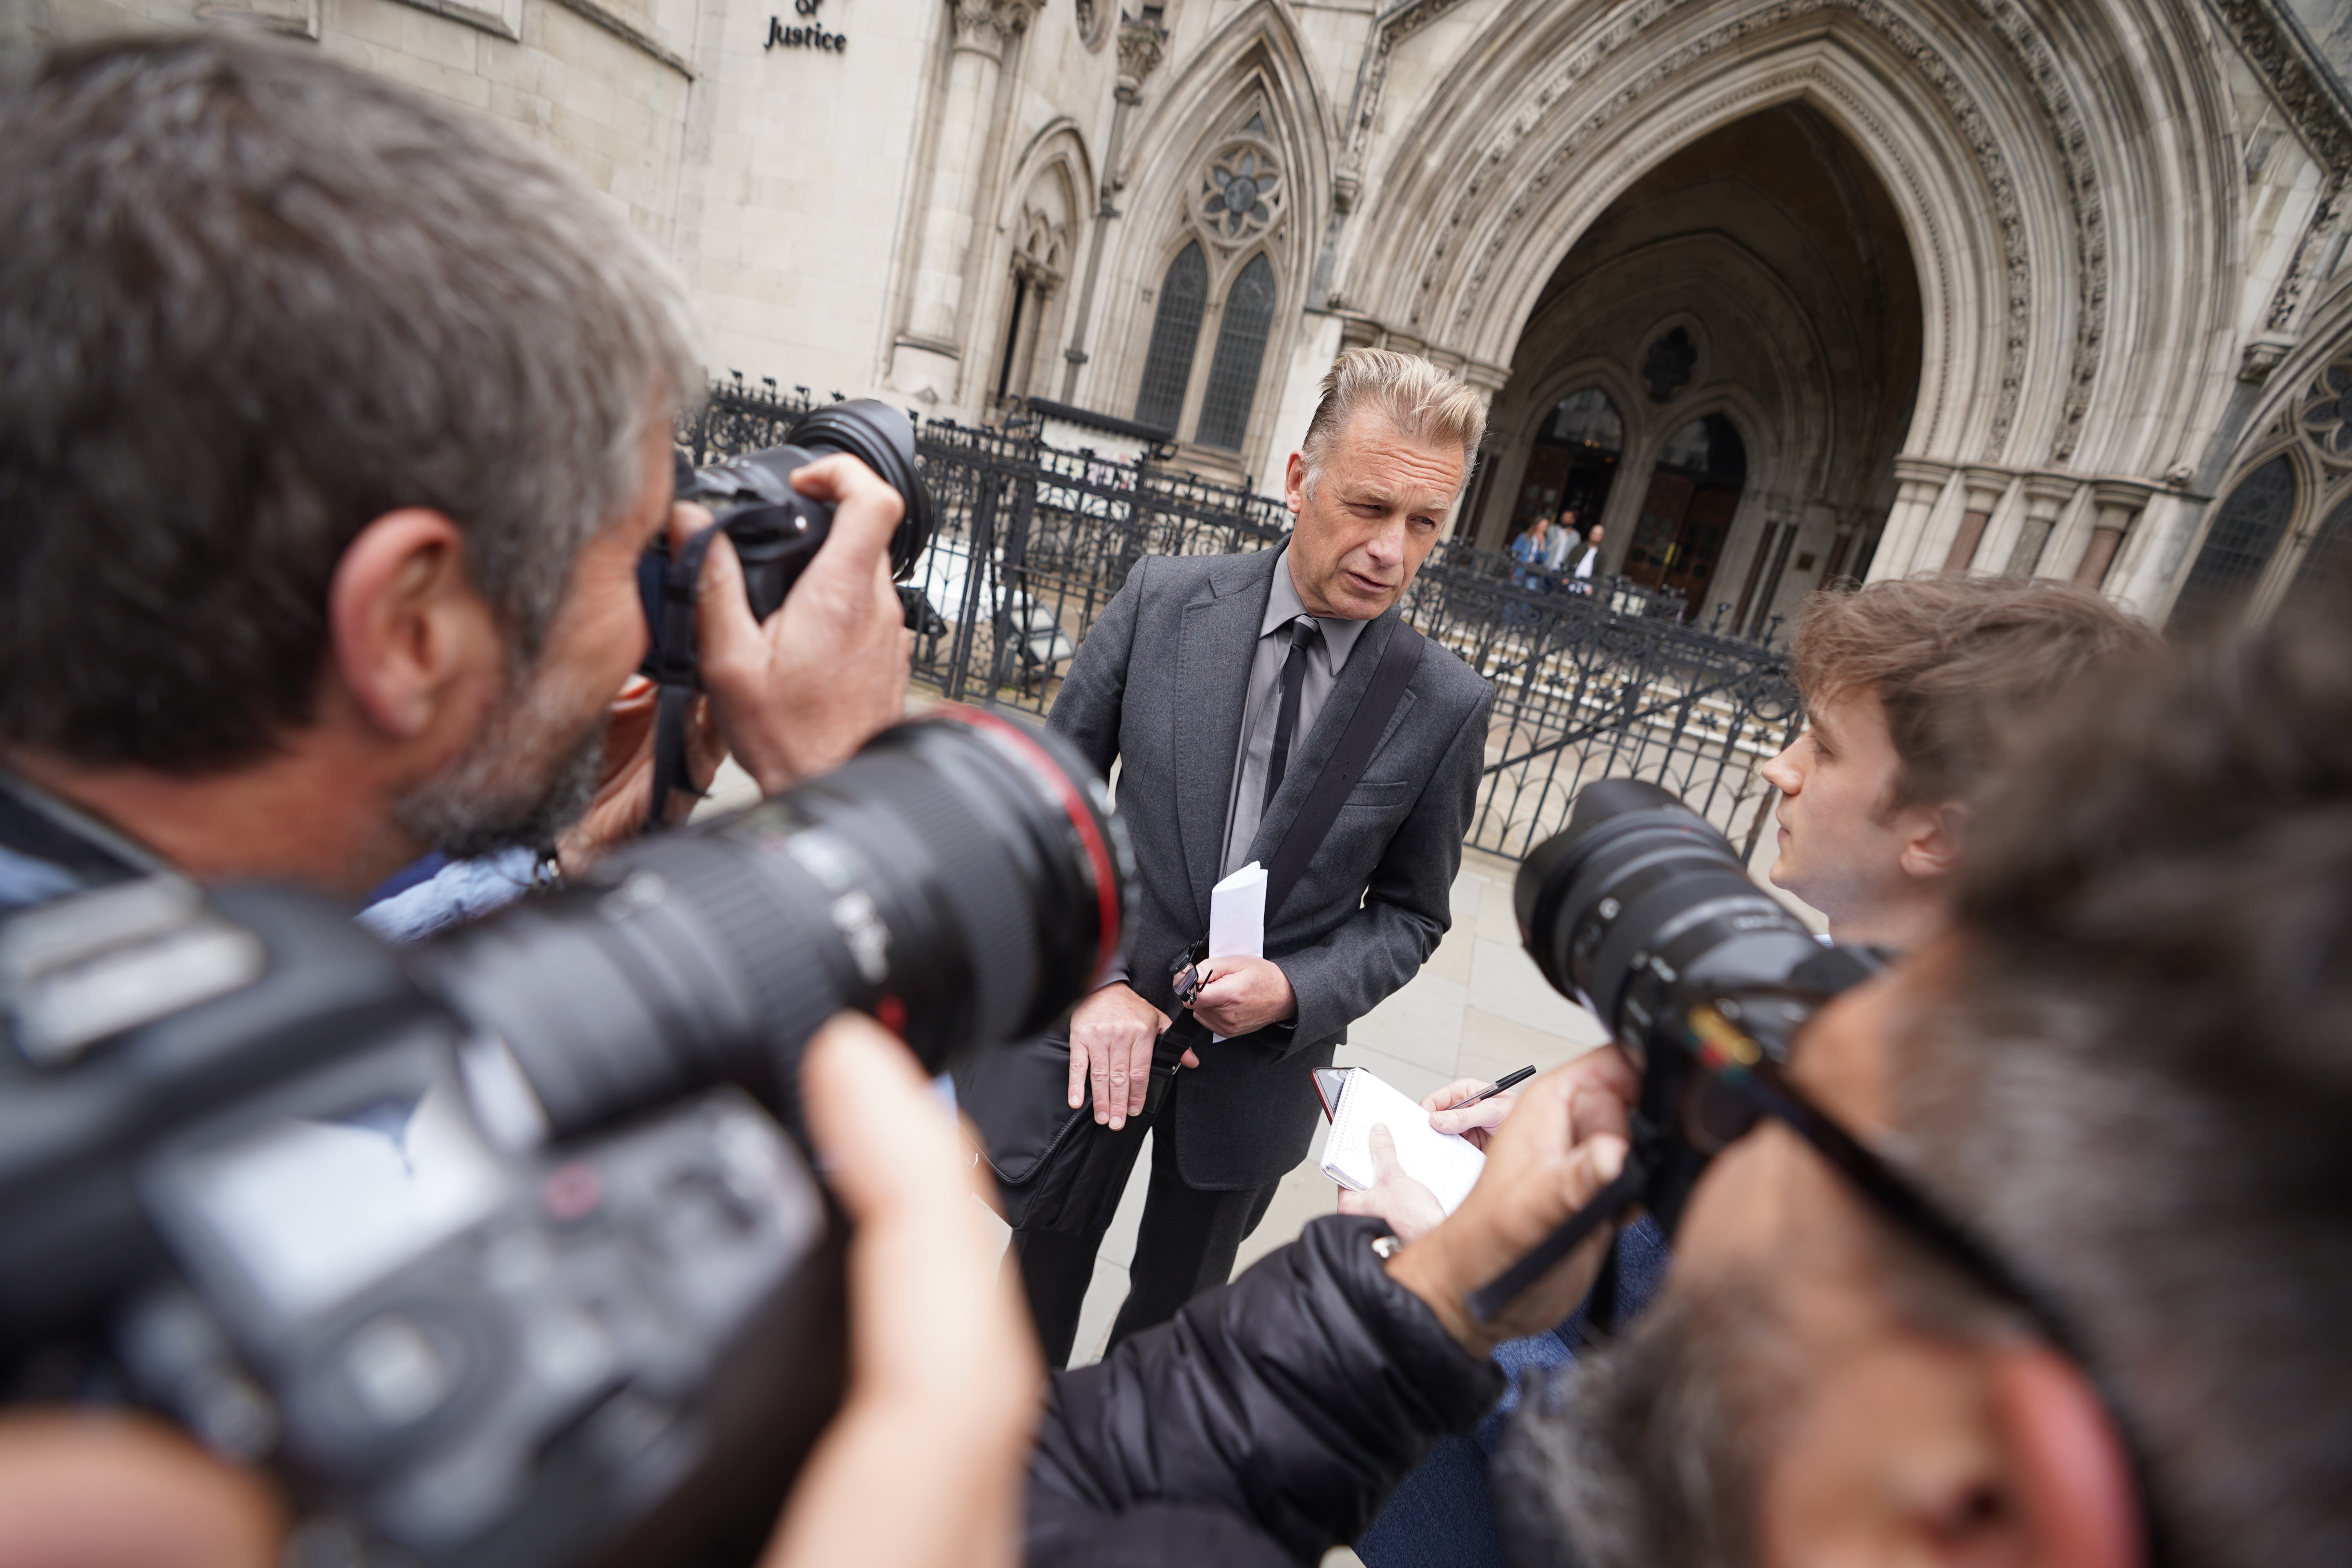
(502, 1251)
(1640, 911)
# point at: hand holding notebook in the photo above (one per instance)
(1356, 1101)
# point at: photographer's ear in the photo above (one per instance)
(413, 641)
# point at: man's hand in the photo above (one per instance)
(798, 695)
(1243, 996)
(1412, 1210)
(944, 1378)
(1538, 1174)
(623, 801)
(1111, 1036)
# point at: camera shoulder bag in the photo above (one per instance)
(1055, 1166)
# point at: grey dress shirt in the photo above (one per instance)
(1326, 657)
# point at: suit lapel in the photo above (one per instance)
(1307, 761)
(1214, 649)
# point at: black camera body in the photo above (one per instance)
(318, 1220)
(1643, 912)
(503, 1250)
(775, 530)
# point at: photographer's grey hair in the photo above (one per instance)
(251, 301)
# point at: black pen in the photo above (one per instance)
(1496, 1087)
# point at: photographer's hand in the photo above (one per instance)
(83, 1491)
(1538, 1174)
(924, 1466)
(1412, 1210)
(797, 695)
(1111, 1036)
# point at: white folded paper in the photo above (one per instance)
(1237, 916)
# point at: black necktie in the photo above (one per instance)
(1303, 631)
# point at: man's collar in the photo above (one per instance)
(1283, 605)
(75, 824)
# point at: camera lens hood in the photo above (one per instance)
(882, 438)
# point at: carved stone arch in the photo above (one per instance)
(1032, 257)
(1481, 205)
(1254, 63)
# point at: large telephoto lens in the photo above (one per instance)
(962, 879)
(1640, 900)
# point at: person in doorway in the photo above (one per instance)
(1588, 562)
(1532, 550)
(1565, 544)
(1222, 685)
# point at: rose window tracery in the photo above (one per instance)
(1242, 192)
(2325, 415)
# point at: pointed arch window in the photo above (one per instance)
(2238, 546)
(1241, 350)
(1175, 336)
(1213, 318)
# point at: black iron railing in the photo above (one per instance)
(1031, 542)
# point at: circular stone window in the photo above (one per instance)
(1241, 192)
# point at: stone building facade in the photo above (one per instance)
(1781, 291)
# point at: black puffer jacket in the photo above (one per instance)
(1264, 1425)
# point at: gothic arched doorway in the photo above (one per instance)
(1749, 309)
(1693, 495)
(1573, 465)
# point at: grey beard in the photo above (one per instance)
(479, 805)
(1647, 1454)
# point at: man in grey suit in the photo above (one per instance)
(1222, 684)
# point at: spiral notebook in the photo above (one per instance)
(1356, 1100)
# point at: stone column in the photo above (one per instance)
(1920, 484)
(1141, 44)
(2119, 502)
(1981, 489)
(925, 355)
(2046, 496)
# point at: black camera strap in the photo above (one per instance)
(671, 665)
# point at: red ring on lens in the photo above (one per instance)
(1074, 805)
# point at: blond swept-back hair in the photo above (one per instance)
(1420, 400)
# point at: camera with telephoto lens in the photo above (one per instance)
(1643, 912)
(774, 529)
(505, 1249)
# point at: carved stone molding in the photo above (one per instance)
(985, 26)
(2318, 117)
(2067, 129)
(1141, 43)
(2261, 357)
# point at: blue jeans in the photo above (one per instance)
(1441, 1515)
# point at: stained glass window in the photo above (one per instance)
(2238, 546)
(1175, 336)
(1241, 349)
(2327, 566)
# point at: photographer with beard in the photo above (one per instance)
(333, 423)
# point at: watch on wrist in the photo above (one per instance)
(1386, 1246)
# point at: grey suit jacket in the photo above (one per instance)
(1160, 684)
